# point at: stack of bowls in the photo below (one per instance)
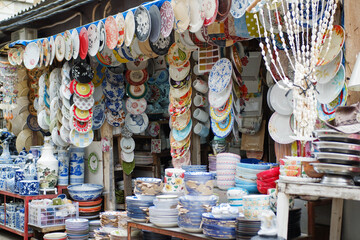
(90, 209)
(199, 183)
(77, 228)
(194, 168)
(55, 236)
(226, 169)
(235, 197)
(147, 188)
(164, 213)
(266, 179)
(191, 209)
(245, 229)
(218, 227)
(254, 205)
(247, 184)
(137, 208)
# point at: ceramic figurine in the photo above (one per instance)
(47, 167)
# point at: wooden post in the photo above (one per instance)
(352, 31)
(336, 218)
(108, 169)
(282, 214)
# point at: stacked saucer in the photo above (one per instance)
(219, 227)
(194, 168)
(77, 228)
(90, 209)
(226, 169)
(245, 229)
(93, 225)
(164, 213)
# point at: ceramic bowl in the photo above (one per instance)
(256, 200)
(199, 183)
(55, 236)
(85, 192)
(252, 189)
(274, 172)
(169, 204)
(236, 193)
(253, 213)
(148, 186)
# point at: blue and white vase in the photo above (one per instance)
(29, 187)
(36, 152)
(30, 168)
(63, 158)
(47, 167)
(77, 158)
(19, 176)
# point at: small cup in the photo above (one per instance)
(201, 86)
(201, 130)
(201, 115)
(200, 100)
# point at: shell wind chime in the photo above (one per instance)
(303, 29)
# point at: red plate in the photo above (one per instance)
(84, 43)
(90, 203)
(136, 77)
(82, 127)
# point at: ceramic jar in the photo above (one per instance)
(77, 158)
(5, 157)
(47, 167)
(174, 181)
(63, 158)
(30, 168)
(19, 176)
(29, 187)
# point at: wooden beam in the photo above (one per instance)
(108, 169)
(336, 218)
(352, 30)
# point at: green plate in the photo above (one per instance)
(93, 162)
(139, 96)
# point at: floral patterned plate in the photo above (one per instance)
(82, 127)
(184, 133)
(84, 43)
(68, 45)
(31, 55)
(59, 47)
(181, 10)
(326, 112)
(329, 91)
(136, 77)
(52, 49)
(83, 103)
(220, 75)
(179, 83)
(179, 122)
(142, 23)
(113, 92)
(154, 129)
(167, 19)
(130, 28)
(94, 40)
(238, 8)
(223, 129)
(336, 43)
(83, 90)
(280, 129)
(112, 33)
(137, 92)
(136, 106)
(162, 45)
(102, 35)
(177, 57)
(81, 140)
(137, 123)
(98, 116)
(46, 52)
(180, 73)
(209, 8)
(219, 114)
(153, 94)
(155, 23)
(327, 72)
(120, 22)
(108, 57)
(178, 144)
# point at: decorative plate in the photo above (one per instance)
(68, 45)
(181, 135)
(83, 90)
(108, 57)
(183, 161)
(120, 22)
(280, 100)
(154, 129)
(82, 127)
(182, 15)
(223, 129)
(217, 100)
(112, 33)
(219, 114)
(82, 72)
(142, 23)
(196, 16)
(127, 144)
(177, 57)
(84, 43)
(327, 72)
(136, 77)
(162, 45)
(115, 119)
(209, 8)
(40, 63)
(223, 10)
(167, 19)
(136, 65)
(94, 40)
(32, 123)
(102, 35)
(130, 28)
(155, 23)
(93, 162)
(113, 92)
(153, 94)
(180, 83)
(329, 91)
(98, 118)
(238, 8)
(326, 112)
(220, 75)
(46, 52)
(137, 92)
(81, 140)
(114, 106)
(83, 103)
(127, 157)
(176, 111)
(178, 144)
(337, 41)
(280, 129)
(179, 153)
(136, 106)
(181, 101)
(65, 112)
(31, 55)
(181, 121)
(81, 115)
(52, 50)
(180, 73)
(116, 79)
(137, 123)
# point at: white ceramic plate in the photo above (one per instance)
(327, 72)
(94, 40)
(127, 157)
(279, 100)
(60, 47)
(280, 129)
(31, 55)
(52, 49)
(69, 46)
(137, 123)
(127, 145)
(130, 28)
(329, 91)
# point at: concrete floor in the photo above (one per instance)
(5, 235)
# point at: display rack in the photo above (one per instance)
(26, 200)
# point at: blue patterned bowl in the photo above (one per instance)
(85, 192)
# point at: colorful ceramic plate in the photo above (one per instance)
(120, 22)
(217, 100)
(83, 103)
(46, 52)
(137, 92)
(94, 40)
(177, 57)
(102, 35)
(209, 8)
(113, 92)
(130, 28)
(219, 114)
(83, 90)
(154, 129)
(82, 127)
(327, 72)
(112, 33)
(280, 129)
(184, 133)
(108, 57)
(153, 94)
(115, 119)
(142, 23)
(31, 55)
(136, 106)
(337, 41)
(81, 115)
(326, 112)
(181, 121)
(329, 91)
(98, 116)
(69, 48)
(59, 47)
(155, 23)
(180, 73)
(167, 19)
(127, 145)
(238, 8)
(52, 49)
(137, 123)
(40, 63)
(84, 43)
(81, 140)
(136, 77)
(223, 129)
(76, 43)
(180, 83)
(182, 15)
(162, 45)
(220, 75)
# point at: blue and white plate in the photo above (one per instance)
(161, 76)
(115, 119)
(114, 106)
(113, 78)
(238, 8)
(220, 75)
(113, 92)
(137, 123)
(98, 117)
(182, 134)
(223, 129)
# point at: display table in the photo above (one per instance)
(26, 199)
(174, 232)
(337, 193)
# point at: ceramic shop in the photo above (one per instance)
(182, 120)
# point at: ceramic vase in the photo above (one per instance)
(30, 168)
(36, 152)
(19, 176)
(47, 167)
(63, 158)
(5, 157)
(77, 165)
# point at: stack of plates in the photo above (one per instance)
(226, 169)
(163, 217)
(93, 225)
(90, 209)
(294, 229)
(137, 208)
(143, 158)
(212, 163)
(245, 229)
(218, 227)
(194, 168)
(77, 228)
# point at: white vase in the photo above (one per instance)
(47, 167)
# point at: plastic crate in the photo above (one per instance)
(54, 215)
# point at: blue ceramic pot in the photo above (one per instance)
(29, 187)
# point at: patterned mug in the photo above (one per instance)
(201, 86)
(174, 180)
(200, 100)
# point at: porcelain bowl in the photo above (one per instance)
(256, 200)
(253, 213)
(55, 236)
(236, 193)
(85, 192)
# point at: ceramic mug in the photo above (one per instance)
(174, 180)
(200, 100)
(201, 130)
(200, 85)
(201, 115)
